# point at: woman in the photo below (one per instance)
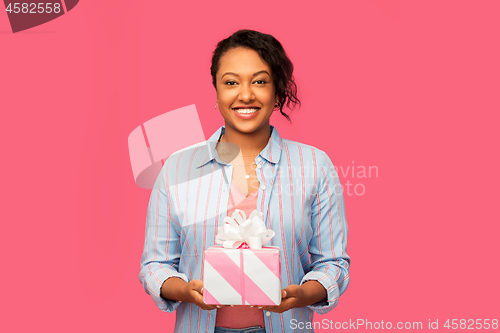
(246, 165)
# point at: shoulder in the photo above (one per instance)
(317, 156)
(192, 155)
(190, 151)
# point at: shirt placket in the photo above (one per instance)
(266, 186)
(265, 190)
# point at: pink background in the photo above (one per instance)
(410, 87)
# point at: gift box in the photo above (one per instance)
(241, 271)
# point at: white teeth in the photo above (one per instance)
(247, 110)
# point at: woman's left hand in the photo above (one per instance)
(292, 296)
(295, 296)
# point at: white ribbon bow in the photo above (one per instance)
(242, 232)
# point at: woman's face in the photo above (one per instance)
(244, 80)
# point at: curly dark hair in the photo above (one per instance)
(272, 52)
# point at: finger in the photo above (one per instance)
(198, 297)
(268, 307)
(285, 302)
(196, 284)
(200, 302)
(283, 293)
(273, 308)
(201, 291)
(205, 306)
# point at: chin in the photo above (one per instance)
(249, 127)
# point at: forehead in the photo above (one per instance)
(242, 61)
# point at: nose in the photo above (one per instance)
(246, 93)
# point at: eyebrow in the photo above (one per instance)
(252, 75)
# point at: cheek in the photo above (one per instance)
(227, 96)
(267, 98)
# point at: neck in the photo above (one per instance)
(250, 144)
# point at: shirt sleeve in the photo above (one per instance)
(328, 244)
(160, 258)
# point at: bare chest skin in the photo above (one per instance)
(246, 186)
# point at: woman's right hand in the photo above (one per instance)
(193, 291)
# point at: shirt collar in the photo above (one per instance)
(271, 153)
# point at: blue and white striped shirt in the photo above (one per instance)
(301, 198)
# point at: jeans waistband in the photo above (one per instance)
(253, 329)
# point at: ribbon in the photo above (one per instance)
(238, 232)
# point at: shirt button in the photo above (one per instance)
(268, 313)
(259, 166)
(263, 187)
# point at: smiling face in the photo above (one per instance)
(244, 82)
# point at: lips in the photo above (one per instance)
(246, 115)
(246, 107)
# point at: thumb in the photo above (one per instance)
(197, 285)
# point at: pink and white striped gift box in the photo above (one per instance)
(242, 276)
